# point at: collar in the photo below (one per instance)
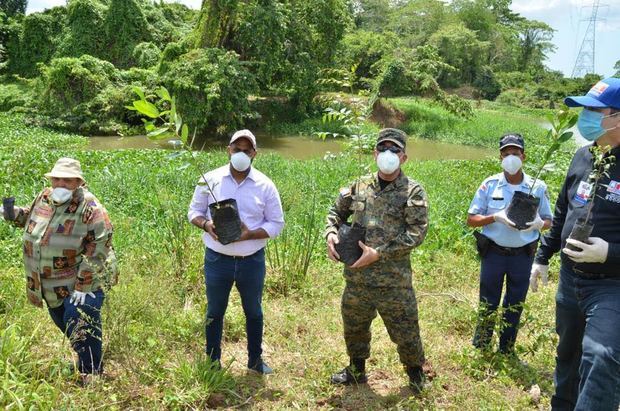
(525, 183)
(251, 175)
(394, 184)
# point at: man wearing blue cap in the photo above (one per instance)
(587, 372)
(506, 253)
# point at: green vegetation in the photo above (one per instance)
(153, 320)
(220, 59)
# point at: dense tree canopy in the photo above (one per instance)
(13, 7)
(286, 48)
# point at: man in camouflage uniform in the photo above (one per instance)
(393, 208)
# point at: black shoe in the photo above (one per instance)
(417, 380)
(260, 367)
(348, 377)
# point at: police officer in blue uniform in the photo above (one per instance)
(506, 252)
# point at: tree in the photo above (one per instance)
(617, 67)
(215, 23)
(460, 48)
(535, 38)
(13, 7)
(415, 21)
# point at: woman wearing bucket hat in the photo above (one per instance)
(69, 259)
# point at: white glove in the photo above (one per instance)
(501, 217)
(78, 297)
(535, 225)
(539, 271)
(595, 252)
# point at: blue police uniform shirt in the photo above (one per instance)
(494, 195)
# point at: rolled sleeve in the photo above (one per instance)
(479, 203)
(199, 206)
(274, 216)
(545, 207)
(338, 213)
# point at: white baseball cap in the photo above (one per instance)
(243, 133)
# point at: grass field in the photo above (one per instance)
(154, 318)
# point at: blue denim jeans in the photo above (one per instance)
(587, 371)
(248, 275)
(493, 270)
(82, 326)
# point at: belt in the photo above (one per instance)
(508, 250)
(235, 257)
(593, 276)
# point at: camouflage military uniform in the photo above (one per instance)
(396, 221)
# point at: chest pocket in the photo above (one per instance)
(496, 205)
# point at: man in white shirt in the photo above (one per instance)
(241, 262)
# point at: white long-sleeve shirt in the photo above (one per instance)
(258, 201)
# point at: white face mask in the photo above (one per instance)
(388, 162)
(61, 195)
(240, 161)
(511, 164)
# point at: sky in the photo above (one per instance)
(564, 16)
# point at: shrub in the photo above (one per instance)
(125, 28)
(486, 83)
(68, 81)
(37, 41)
(146, 55)
(84, 33)
(212, 88)
(14, 94)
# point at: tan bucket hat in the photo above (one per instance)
(66, 167)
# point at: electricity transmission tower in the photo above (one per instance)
(585, 59)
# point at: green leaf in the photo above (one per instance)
(146, 108)
(132, 108)
(139, 92)
(158, 132)
(184, 133)
(565, 137)
(163, 93)
(159, 137)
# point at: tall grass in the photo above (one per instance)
(153, 321)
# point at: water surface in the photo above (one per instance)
(303, 147)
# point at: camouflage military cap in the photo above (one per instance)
(393, 135)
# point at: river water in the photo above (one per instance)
(302, 147)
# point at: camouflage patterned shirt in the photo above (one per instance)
(66, 247)
(396, 221)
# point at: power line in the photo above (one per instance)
(585, 63)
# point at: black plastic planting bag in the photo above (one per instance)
(225, 216)
(522, 209)
(348, 248)
(9, 208)
(581, 232)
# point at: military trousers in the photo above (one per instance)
(399, 310)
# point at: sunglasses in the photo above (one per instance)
(394, 149)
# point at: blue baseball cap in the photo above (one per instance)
(605, 93)
(512, 139)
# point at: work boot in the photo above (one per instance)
(260, 367)
(417, 380)
(355, 373)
